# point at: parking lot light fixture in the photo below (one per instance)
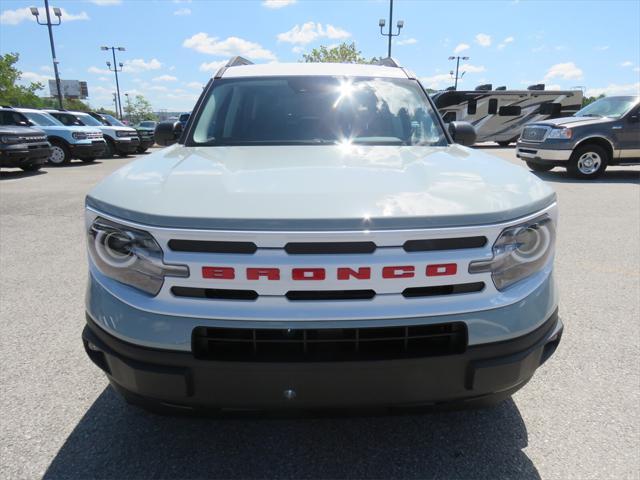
(117, 67)
(382, 22)
(58, 13)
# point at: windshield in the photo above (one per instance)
(87, 119)
(148, 124)
(317, 110)
(608, 107)
(113, 120)
(43, 119)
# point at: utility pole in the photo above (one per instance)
(457, 59)
(58, 13)
(390, 34)
(116, 70)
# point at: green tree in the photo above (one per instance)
(69, 104)
(343, 53)
(138, 110)
(587, 100)
(10, 92)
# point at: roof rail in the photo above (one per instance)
(233, 62)
(389, 62)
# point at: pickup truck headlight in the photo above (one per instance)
(519, 251)
(130, 256)
(561, 133)
(79, 135)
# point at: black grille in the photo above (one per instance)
(329, 248)
(205, 246)
(328, 345)
(444, 244)
(297, 295)
(214, 293)
(443, 290)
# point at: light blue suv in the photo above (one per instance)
(85, 143)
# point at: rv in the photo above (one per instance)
(499, 115)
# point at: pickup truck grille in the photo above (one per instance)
(534, 133)
(326, 345)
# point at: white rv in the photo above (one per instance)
(499, 115)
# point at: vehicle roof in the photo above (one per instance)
(316, 69)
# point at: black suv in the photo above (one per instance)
(605, 132)
(23, 147)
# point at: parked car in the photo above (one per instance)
(606, 132)
(85, 143)
(183, 119)
(120, 140)
(145, 132)
(22, 147)
(317, 238)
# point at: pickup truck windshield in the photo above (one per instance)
(614, 107)
(317, 110)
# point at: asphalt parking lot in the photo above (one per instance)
(578, 418)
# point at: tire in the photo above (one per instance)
(32, 168)
(88, 160)
(110, 150)
(123, 154)
(60, 154)
(588, 162)
(141, 150)
(539, 167)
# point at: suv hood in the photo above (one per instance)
(572, 121)
(17, 130)
(305, 187)
(63, 129)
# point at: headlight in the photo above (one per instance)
(562, 133)
(124, 133)
(130, 256)
(519, 252)
(9, 139)
(79, 135)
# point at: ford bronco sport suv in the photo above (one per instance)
(120, 139)
(22, 147)
(316, 238)
(606, 132)
(85, 143)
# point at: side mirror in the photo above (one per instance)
(167, 133)
(463, 133)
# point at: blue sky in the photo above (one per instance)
(174, 46)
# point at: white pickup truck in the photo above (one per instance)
(316, 237)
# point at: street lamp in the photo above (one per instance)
(58, 13)
(382, 22)
(457, 59)
(116, 70)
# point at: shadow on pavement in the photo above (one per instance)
(114, 440)
(14, 174)
(560, 175)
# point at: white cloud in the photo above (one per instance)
(164, 78)
(467, 67)
(98, 71)
(627, 64)
(140, 65)
(614, 89)
(35, 77)
(181, 12)
(461, 48)
(19, 15)
(438, 81)
(194, 85)
(181, 1)
(483, 40)
(106, 3)
(297, 49)
(566, 71)
(310, 31)
(103, 79)
(212, 66)
(46, 68)
(203, 43)
(506, 42)
(408, 41)
(277, 3)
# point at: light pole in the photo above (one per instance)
(115, 101)
(128, 107)
(390, 34)
(57, 13)
(116, 70)
(457, 59)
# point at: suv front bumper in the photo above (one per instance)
(88, 150)
(537, 153)
(125, 145)
(177, 380)
(22, 155)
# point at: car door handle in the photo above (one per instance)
(618, 127)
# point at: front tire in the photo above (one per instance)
(141, 150)
(60, 154)
(588, 162)
(504, 144)
(31, 168)
(110, 149)
(539, 167)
